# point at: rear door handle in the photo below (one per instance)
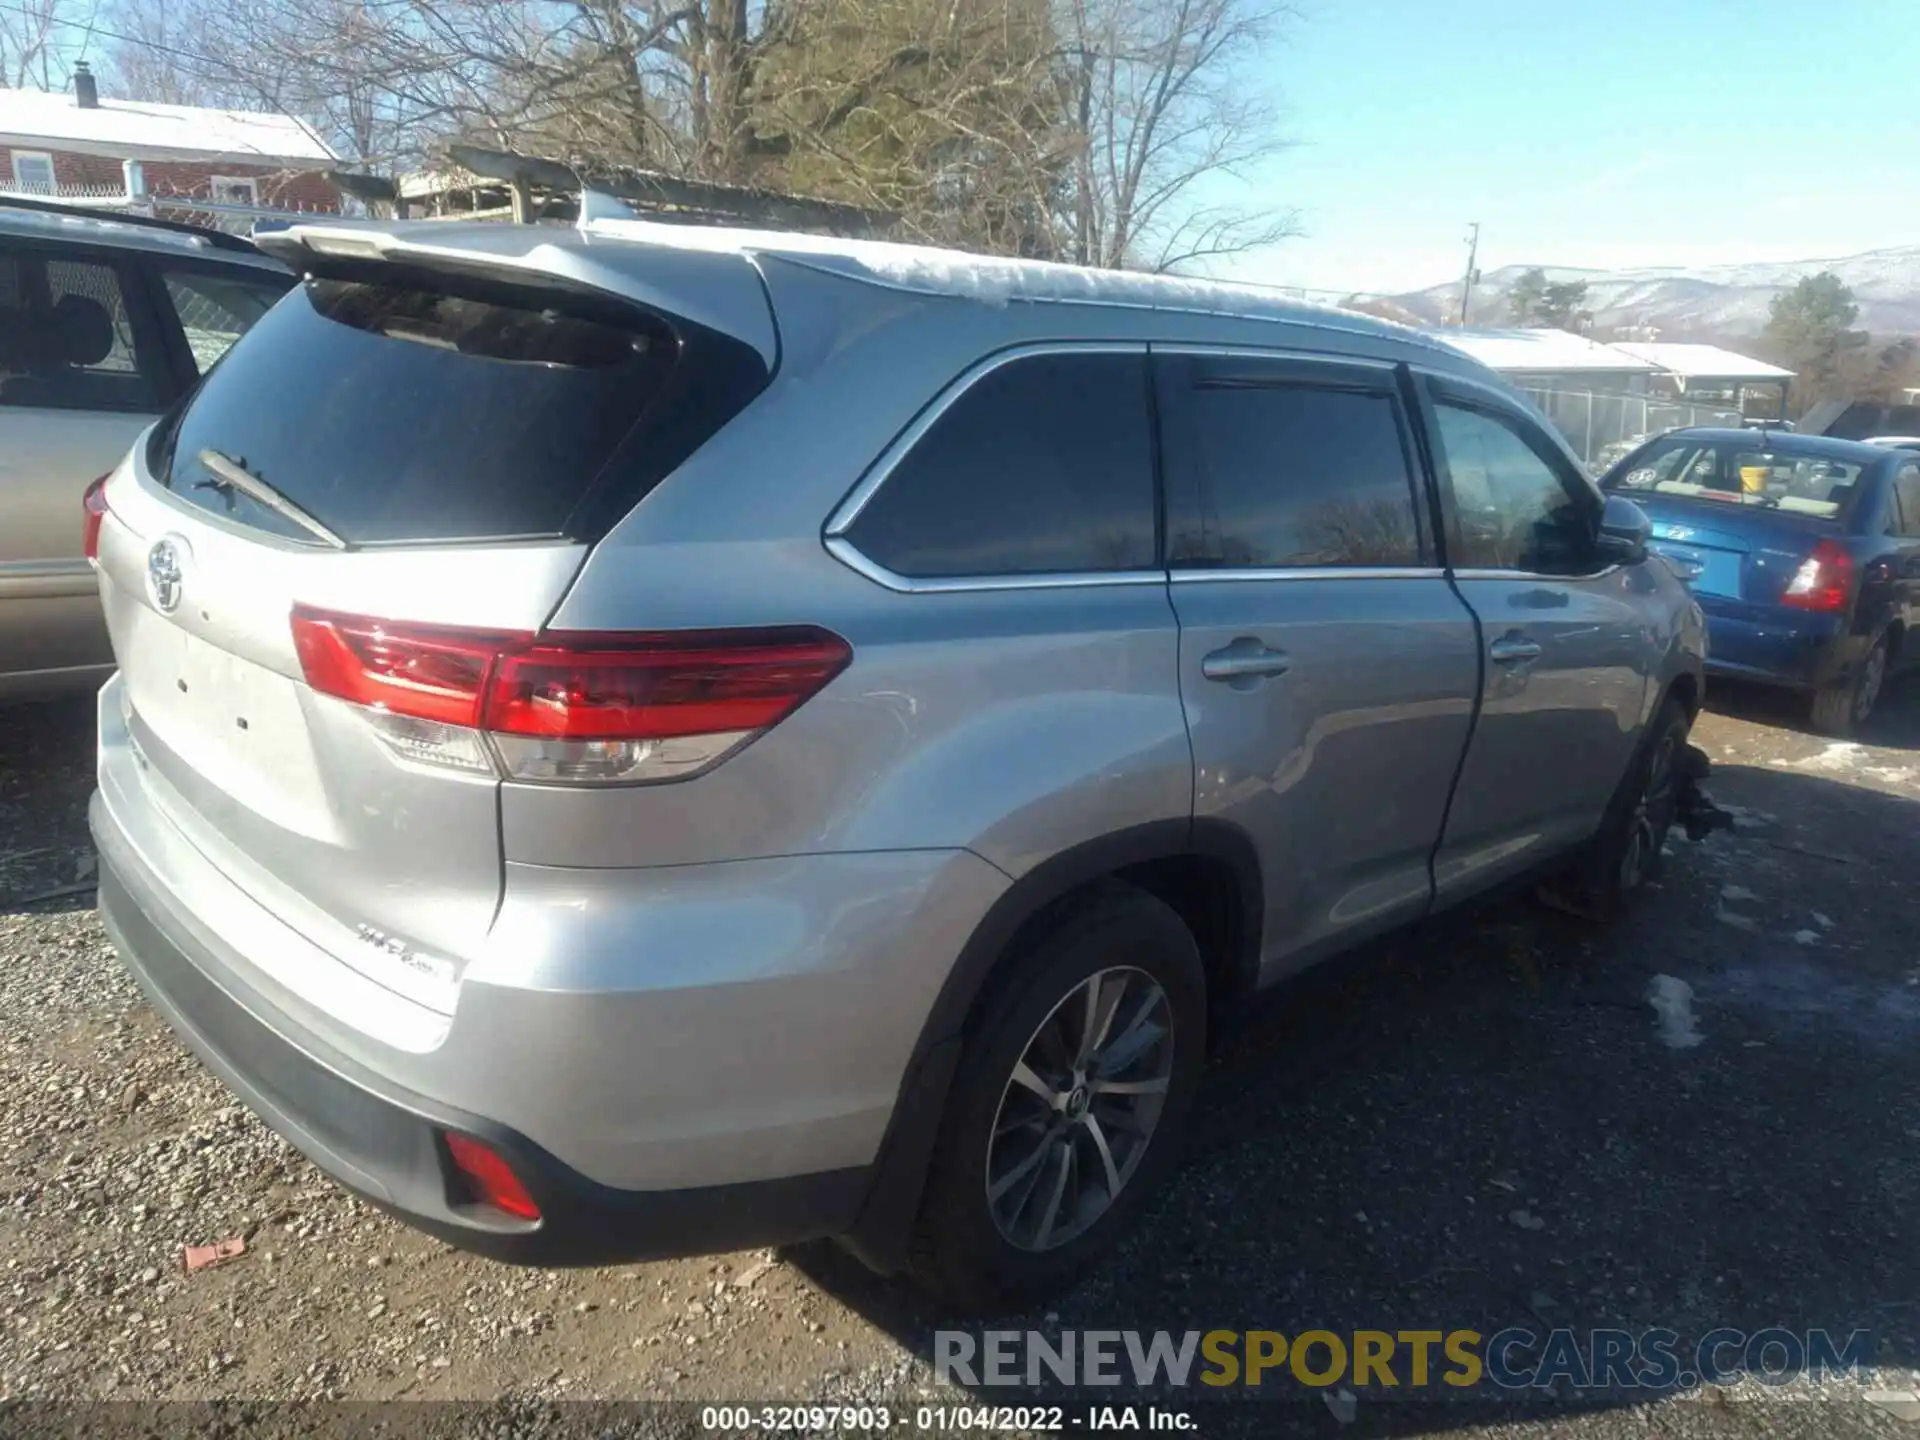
(1245, 658)
(1512, 649)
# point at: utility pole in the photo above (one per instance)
(1473, 274)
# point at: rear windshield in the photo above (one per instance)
(1742, 475)
(394, 412)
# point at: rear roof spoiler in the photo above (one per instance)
(719, 289)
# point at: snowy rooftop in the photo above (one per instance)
(922, 269)
(998, 279)
(1703, 361)
(137, 130)
(1543, 350)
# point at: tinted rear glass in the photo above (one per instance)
(392, 413)
(1045, 465)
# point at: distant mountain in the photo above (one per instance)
(1713, 302)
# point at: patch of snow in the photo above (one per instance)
(1558, 351)
(1679, 359)
(1724, 297)
(1823, 921)
(146, 130)
(1000, 280)
(1805, 937)
(1733, 894)
(1892, 774)
(1840, 755)
(1737, 921)
(1672, 1002)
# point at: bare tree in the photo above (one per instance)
(33, 39)
(1162, 103)
(1069, 129)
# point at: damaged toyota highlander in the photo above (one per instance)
(632, 741)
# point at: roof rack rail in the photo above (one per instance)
(219, 239)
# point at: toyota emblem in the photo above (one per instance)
(166, 567)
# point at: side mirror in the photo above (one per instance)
(1624, 532)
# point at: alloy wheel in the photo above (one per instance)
(1873, 674)
(1652, 815)
(1080, 1109)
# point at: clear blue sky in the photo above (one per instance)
(1589, 132)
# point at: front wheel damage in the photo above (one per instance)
(1628, 851)
(1693, 807)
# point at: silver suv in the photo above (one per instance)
(632, 740)
(104, 322)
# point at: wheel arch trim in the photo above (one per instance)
(883, 1233)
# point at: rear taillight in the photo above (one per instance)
(489, 1177)
(1824, 580)
(93, 510)
(586, 708)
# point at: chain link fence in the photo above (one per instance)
(232, 217)
(1601, 427)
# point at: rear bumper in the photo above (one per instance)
(673, 1061)
(386, 1144)
(1777, 646)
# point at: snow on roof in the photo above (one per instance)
(138, 130)
(998, 279)
(1542, 350)
(1701, 361)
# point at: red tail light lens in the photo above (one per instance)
(568, 707)
(661, 687)
(490, 1177)
(428, 672)
(93, 510)
(1824, 580)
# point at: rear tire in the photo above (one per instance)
(1842, 708)
(1021, 1199)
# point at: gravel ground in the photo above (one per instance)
(1475, 1124)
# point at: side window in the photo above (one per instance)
(217, 309)
(66, 338)
(1294, 474)
(1043, 466)
(1512, 510)
(1905, 520)
(1664, 469)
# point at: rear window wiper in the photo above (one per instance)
(229, 476)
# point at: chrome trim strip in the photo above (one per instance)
(849, 509)
(843, 550)
(1471, 574)
(1251, 352)
(1312, 572)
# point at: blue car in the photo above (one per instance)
(1804, 552)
